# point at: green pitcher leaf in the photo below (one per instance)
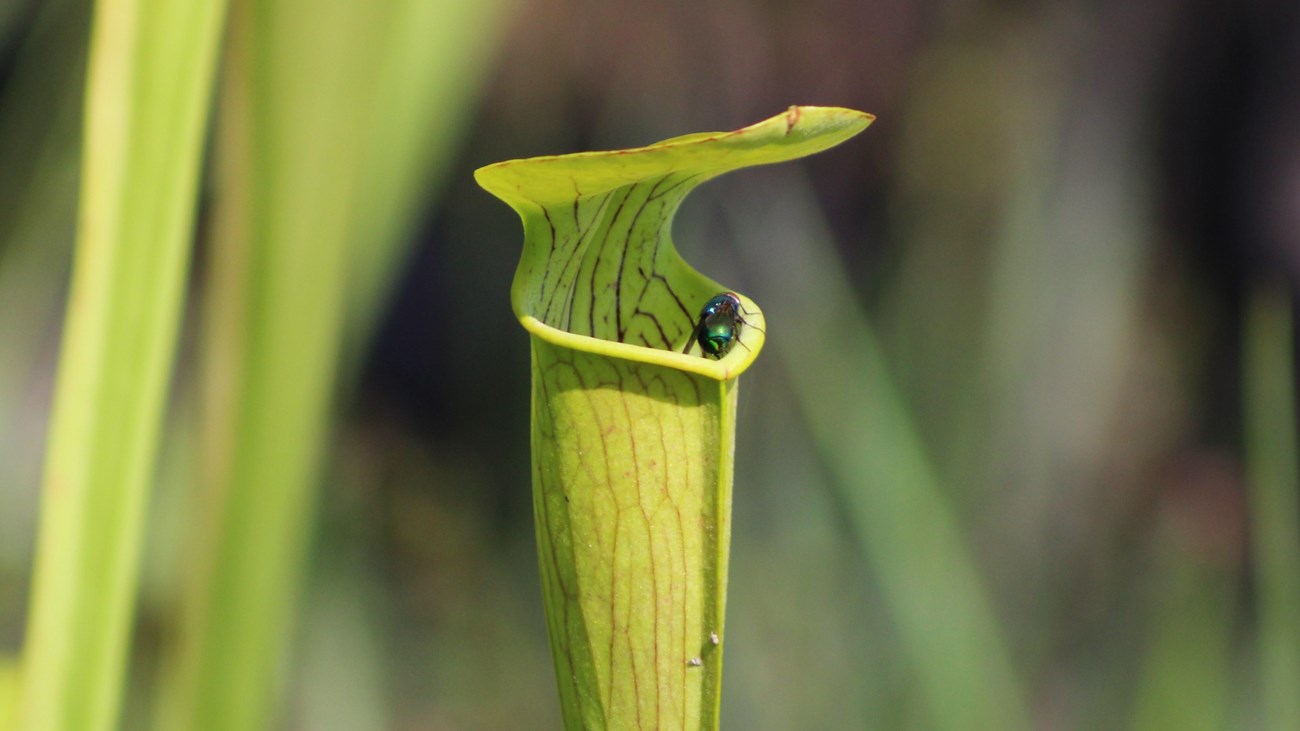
(633, 438)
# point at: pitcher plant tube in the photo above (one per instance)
(635, 359)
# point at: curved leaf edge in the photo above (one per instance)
(828, 126)
(817, 128)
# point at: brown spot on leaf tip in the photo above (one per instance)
(791, 118)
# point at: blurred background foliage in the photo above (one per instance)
(1014, 423)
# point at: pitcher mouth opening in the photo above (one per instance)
(728, 367)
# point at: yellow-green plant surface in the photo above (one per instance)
(330, 119)
(633, 439)
(8, 693)
(147, 99)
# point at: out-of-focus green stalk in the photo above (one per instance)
(910, 535)
(1186, 683)
(147, 99)
(308, 157)
(433, 59)
(1274, 476)
(286, 152)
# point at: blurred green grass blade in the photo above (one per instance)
(309, 91)
(433, 62)
(147, 99)
(290, 116)
(1188, 675)
(908, 530)
(1274, 478)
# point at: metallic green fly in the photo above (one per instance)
(718, 327)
